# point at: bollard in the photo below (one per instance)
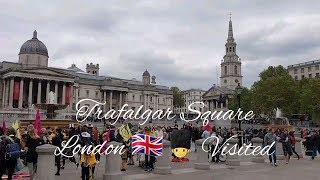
(202, 161)
(46, 166)
(279, 151)
(232, 160)
(257, 142)
(163, 164)
(113, 165)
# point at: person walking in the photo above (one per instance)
(293, 143)
(271, 139)
(286, 145)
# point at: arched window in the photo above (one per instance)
(230, 49)
(235, 69)
(225, 70)
(233, 49)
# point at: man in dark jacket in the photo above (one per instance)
(7, 163)
(56, 141)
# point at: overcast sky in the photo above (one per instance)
(180, 42)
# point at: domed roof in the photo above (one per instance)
(146, 73)
(34, 46)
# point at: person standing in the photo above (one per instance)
(56, 141)
(271, 139)
(33, 140)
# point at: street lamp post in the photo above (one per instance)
(238, 92)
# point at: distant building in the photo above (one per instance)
(308, 69)
(29, 81)
(190, 96)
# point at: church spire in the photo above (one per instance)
(230, 31)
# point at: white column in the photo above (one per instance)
(30, 93)
(39, 92)
(4, 93)
(47, 92)
(120, 100)
(21, 93)
(11, 93)
(64, 93)
(7, 92)
(56, 90)
(110, 100)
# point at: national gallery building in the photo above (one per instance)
(28, 82)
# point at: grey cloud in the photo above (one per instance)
(181, 42)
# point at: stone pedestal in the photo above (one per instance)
(279, 151)
(257, 142)
(113, 165)
(232, 160)
(202, 161)
(163, 164)
(46, 165)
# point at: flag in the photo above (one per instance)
(37, 123)
(145, 144)
(16, 125)
(125, 132)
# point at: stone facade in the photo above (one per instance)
(308, 69)
(190, 96)
(29, 81)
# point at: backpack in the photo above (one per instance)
(13, 150)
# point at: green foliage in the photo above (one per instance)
(277, 89)
(178, 100)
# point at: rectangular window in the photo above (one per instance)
(132, 97)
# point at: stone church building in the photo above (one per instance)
(231, 76)
(30, 80)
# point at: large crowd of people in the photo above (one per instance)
(18, 147)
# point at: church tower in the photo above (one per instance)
(231, 74)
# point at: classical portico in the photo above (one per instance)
(22, 90)
(115, 97)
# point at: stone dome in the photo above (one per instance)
(34, 46)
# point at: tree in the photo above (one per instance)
(309, 97)
(178, 100)
(275, 89)
(245, 100)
